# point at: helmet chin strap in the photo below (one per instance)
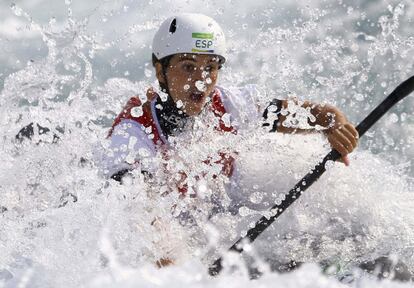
(164, 62)
(165, 89)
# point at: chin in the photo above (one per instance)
(194, 108)
(193, 112)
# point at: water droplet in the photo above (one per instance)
(144, 152)
(359, 97)
(244, 211)
(354, 47)
(148, 72)
(123, 148)
(179, 104)
(201, 86)
(226, 119)
(186, 87)
(393, 118)
(256, 197)
(16, 10)
(143, 98)
(329, 164)
(137, 111)
(163, 96)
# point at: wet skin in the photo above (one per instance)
(191, 79)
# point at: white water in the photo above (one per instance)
(83, 75)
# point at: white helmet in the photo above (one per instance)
(189, 33)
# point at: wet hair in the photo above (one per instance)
(165, 62)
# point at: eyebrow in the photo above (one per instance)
(187, 58)
(184, 58)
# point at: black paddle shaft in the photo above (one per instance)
(403, 90)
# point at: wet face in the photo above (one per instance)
(191, 79)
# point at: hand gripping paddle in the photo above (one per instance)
(403, 90)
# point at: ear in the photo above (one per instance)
(158, 72)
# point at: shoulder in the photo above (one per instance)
(134, 110)
(251, 92)
(248, 96)
(241, 103)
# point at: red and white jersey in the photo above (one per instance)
(136, 135)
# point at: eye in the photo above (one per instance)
(188, 67)
(211, 68)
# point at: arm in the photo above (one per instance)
(341, 134)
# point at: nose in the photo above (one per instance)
(199, 75)
(201, 86)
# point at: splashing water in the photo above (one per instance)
(62, 224)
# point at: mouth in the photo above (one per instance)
(197, 97)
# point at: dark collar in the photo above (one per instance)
(172, 120)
